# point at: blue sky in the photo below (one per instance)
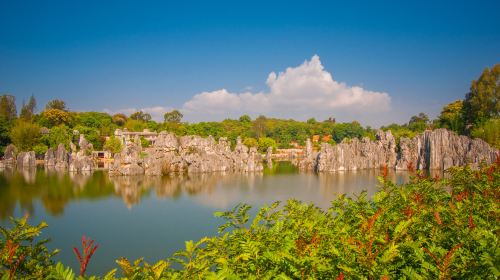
(376, 61)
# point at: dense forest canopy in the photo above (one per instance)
(477, 115)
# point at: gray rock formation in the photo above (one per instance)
(50, 158)
(127, 161)
(61, 157)
(26, 160)
(81, 161)
(437, 149)
(9, 157)
(191, 154)
(269, 157)
(355, 154)
(442, 149)
(309, 159)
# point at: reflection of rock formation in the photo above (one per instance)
(130, 188)
(80, 180)
(29, 174)
(191, 154)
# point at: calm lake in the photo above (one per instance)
(153, 216)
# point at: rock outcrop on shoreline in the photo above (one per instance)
(442, 149)
(437, 149)
(355, 154)
(57, 158)
(81, 161)
(26, 160)
(9, 157)
(191, 154)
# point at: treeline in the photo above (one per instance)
(477, 115)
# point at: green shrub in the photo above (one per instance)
(489, 131)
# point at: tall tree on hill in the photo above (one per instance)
(8, 108)
(451, 116)
(260, 127)
(173, 116)
(482, 101)
(28, 110)
(140, 116)
(56, 104)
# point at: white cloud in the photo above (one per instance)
(305, 91)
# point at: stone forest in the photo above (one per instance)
(158, 153)
(436, 149)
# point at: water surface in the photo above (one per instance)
(151, 217)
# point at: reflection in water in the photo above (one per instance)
(162, 211)
(56, 188)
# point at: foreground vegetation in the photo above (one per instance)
(430, 228)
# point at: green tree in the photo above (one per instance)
(25, 135)
(135, 125)
(120, 119)
(419, 122)
(482, 101)
(489, 131)
(57, 104)
(245, 119)
(451, 116)
(40, 148)
(312, 121)
(113, 144)
(5, 127)
(98, 120)
(8, 108)
(250, 142)
(399, 131)
(28, 110)
(260, 127)
(57, 135)
(140, 116)
(93, 135)
(173, 116)
(266, 142)
(347, 130)
(54, 117)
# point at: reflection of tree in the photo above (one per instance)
(53, 188)
(350, 182)
(131, 188)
